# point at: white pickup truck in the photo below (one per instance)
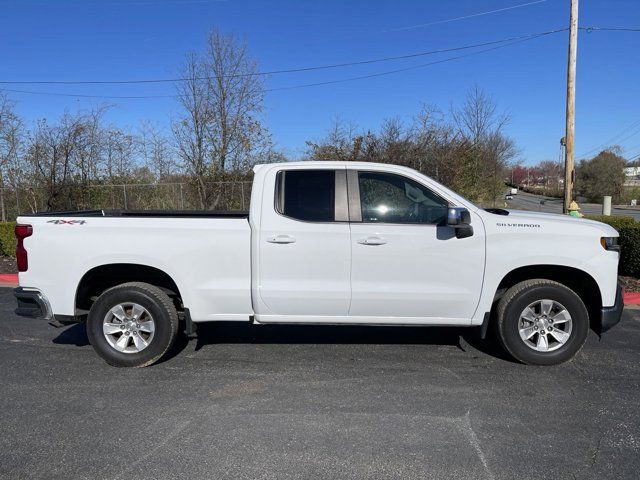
(323, 243)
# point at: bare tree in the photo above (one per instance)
(119, 149)
(468, 152)
(551, 172)
(341, 143)
(235, 101)
(488, 150)
(396, 142)
(436, 146)
(11, 138)
(190, 131)
(220, 129)
(478, 117)
(88, 153)
(65, 158)
(50, 152)
(157, 152)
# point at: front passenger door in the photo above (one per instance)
(405, 262)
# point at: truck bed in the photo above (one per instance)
(142, 213)
(206, 254)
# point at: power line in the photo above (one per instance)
(307, 69)
(501, 43)
(287, 70)
(610, 29)
(380, 74)
(448, 20)
(615, 138)
(632, 134)
(81, 95)
(305, 85)
(634, 149)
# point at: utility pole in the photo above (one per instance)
(571, 106)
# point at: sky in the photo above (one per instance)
(45, 40)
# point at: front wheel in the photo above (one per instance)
(132, 325)
(542, 322)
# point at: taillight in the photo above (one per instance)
(22, 232)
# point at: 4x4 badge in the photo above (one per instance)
(67, 222)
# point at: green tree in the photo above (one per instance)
(600, 176)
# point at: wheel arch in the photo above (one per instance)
(100, 278)
(581, 282)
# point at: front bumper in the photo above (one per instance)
(611, 316)
(32, 303)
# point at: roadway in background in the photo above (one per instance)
(528, 201)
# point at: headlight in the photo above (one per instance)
(610, 243)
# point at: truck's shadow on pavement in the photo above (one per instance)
(466, 339)
(73, 335)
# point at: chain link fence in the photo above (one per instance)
(232, 196)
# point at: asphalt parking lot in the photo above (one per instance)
(316, 402)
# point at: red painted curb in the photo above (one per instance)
(8, 279)
(632, 298)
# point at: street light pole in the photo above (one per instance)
(571, 106)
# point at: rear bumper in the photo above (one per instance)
(32, 303)
(611, 315)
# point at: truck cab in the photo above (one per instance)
(362, 243)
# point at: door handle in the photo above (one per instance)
(372, 241)
(281, 239)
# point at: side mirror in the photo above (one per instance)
(460, 219)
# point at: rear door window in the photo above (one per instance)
(307, 195)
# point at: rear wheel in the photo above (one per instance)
(542, 322)
(132, 325)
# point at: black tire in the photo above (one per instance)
(156, 302)
(521, 295)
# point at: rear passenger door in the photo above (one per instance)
(304, 246)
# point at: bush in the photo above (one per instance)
(615, 221)
(629, 231)
(630, 247)
(7, 239)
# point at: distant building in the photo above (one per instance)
(632, 171)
